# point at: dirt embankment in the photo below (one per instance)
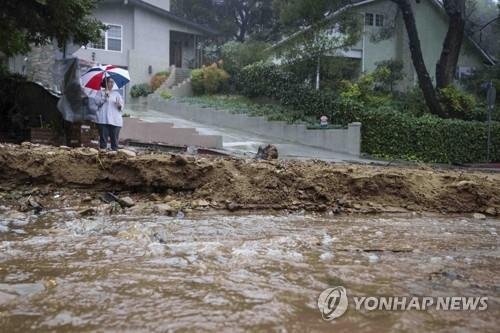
(227, 183)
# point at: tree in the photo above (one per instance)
(38, 22)
(234, 19)
(449, 54)
(323, 33)
(447, 64)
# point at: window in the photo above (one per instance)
(368, 19)
(379, 20)
(111, 39)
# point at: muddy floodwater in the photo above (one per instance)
(63, 273)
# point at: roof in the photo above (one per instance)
(357, 3)
(167, 14)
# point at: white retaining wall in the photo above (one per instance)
(346, 141)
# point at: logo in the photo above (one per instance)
(333, 303)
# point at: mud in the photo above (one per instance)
(188, 182)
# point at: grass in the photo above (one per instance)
(241, 104)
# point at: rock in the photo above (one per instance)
(491, 211)
(179, 160)
(115, 207)
(33, 203)
(87, 211)
(460, 284)
(465, 184)
(126, 202)
(180, 214)
(64, 147)
(373, 258)
(176, 205)
(379, 233)
(4, 228)
(479, 216)
(87, 198)
(164, 209)
(127, 153)
(232, 206)
(200, 203)
(93, 151)
(269, 152)
(26, 144)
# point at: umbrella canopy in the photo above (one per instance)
(93, 78)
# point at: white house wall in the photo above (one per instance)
(151, 45)
(112, 14)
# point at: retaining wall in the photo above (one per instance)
(346, 141)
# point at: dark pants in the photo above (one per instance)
(108, 131)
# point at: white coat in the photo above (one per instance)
(110, 110)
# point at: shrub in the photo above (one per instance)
(166, 95)
(138, 90)
(428, 138)
(237, 55)
(457, 104)
(208, 80)
(388, 73)
(158, 79)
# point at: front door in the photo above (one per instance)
(176, 54)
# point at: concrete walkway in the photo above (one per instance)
(242, 143)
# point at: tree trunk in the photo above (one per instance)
(424, 80)
(447, 64)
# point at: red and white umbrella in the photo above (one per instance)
(93, 78)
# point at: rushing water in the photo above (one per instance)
(64, 273)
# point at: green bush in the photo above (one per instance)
(138, 90)
(166, 95)
(456, 103)
(389, 133)
(386, 132)
(209, 80)
(235, 55)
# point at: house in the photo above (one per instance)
(143, 36)
(384, 37)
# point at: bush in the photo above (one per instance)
(166, 95)
(138, 90)
(385, 131)
(456, 103)
(388, 133)
(237, 55)
(158, 79)
(208, 80)
(388, 73)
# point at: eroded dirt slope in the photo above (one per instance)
(248, 184)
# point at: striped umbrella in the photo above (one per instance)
(93, 78)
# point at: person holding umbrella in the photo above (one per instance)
(109, 114)
(109, 102)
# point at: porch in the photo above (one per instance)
(186, 50)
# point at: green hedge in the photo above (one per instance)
(392, 134)
(385, 132)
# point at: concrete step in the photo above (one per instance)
(141, 131)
